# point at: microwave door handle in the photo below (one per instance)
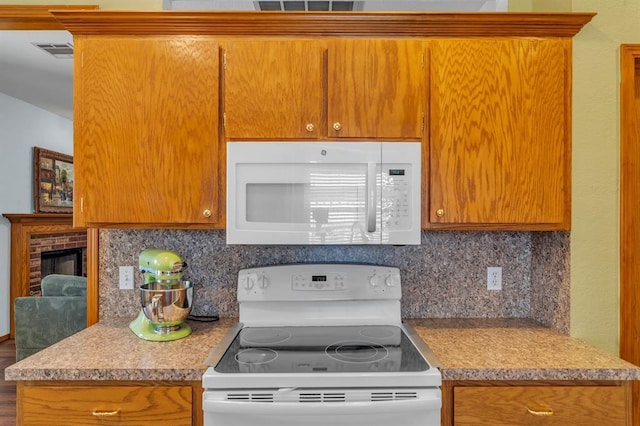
(371, 197)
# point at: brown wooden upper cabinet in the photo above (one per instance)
(488, 94)
(498, 153)
(146, 131)
(324, 89)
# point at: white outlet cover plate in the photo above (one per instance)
(494, 278)
(126, 278)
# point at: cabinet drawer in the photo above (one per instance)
(105, 405)
(540, 405)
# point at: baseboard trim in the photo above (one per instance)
(3, 338)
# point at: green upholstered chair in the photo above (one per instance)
(41, 321)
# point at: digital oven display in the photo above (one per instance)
(396, 172)
(318, 278)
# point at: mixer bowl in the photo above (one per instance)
(167, 306)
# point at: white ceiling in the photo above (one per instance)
(36, 77)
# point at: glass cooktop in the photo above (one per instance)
(381, 348)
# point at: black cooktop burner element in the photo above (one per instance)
(356, 352)
(265, 337)
(256, 356)
(314, 349)
(379, 332)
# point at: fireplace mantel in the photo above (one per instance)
(23, 227)
(40, 218)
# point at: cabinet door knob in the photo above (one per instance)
(337, 125)
(206, 213)
(440, 212)
(310, 127)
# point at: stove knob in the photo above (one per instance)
(263, 281)
(373, 280)
(249, 282)
(391, 280)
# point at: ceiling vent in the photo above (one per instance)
(57, 50)
(309, 5)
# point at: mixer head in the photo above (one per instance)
(162, 266)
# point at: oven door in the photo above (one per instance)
(313, 408)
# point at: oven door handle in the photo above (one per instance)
(322, 408)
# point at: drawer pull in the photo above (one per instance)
(545, 413)
(105, 413)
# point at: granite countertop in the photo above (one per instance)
(110, 351)
(515, 349)
(476, 349)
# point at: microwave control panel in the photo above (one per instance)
(396, 196)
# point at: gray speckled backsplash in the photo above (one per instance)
(444, 277)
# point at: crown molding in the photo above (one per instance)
(384, 24)
(14, 17)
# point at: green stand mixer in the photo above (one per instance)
(166, 298)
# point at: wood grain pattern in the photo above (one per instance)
(499, 148)
(145, 129)
(305, 24)
(630, 211)
(34, 17)
(578, 405)
(446, 412)
(122, 405)
(93, 270)
(373, 87)
(273, 88)
(376, 88)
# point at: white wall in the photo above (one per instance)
(22, 126)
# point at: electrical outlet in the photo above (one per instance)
(126, 278)
(494, 278)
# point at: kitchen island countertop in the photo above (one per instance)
(468, 349)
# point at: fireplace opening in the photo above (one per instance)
(66, 261)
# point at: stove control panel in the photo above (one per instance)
(309, 282)
(321, 282)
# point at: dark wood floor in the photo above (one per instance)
(7, 389)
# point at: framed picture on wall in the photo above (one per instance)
(52, 181)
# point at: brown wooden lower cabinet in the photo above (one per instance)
(536, 403)
(109, 403)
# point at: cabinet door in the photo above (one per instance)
(499, 134)
(273, 89)
(376, 88)
(146, 126)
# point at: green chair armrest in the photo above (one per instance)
(42, 321)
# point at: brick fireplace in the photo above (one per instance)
(60, 246)
(31, 234)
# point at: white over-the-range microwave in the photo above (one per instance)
(323, 192)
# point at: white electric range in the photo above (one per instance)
(321, 344)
